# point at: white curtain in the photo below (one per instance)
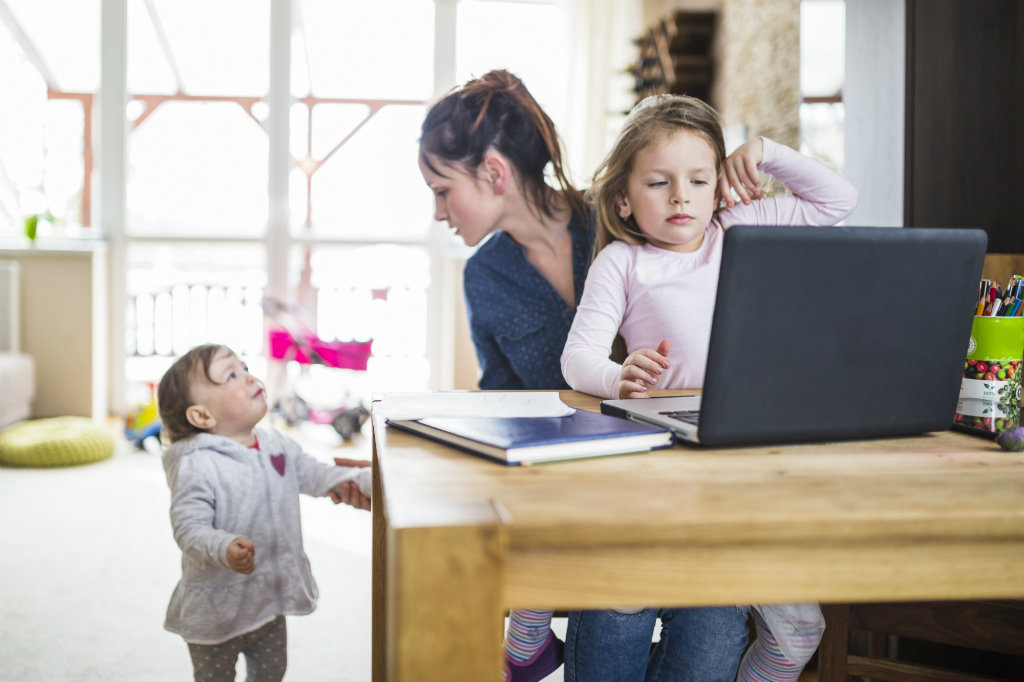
(599, 36)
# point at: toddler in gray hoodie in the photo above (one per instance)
(235, 514)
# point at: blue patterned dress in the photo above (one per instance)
(517, 319)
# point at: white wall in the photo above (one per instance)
(874, 96)
(63, 325)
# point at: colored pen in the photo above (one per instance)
(1007, 298)
(982, 294)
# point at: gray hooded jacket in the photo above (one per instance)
(221, 490)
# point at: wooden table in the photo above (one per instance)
(459, 539)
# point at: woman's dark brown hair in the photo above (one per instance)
(496, 111)
(173, 395)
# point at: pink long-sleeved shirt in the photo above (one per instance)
(647, 294)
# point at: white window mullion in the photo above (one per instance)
(445, 15)
(108, 379)
(444, 283)
(278, 238)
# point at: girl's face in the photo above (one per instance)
(234, 398)
(671, 191)
(468, 203)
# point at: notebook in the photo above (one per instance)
(524, 440)
(830, 333)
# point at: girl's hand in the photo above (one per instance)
(739, 173)
(241, 556)
(641, 370)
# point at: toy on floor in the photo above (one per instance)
(346, 421)
(55, 442)
(293, 340)
(142, 424)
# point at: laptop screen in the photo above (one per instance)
(843, 332)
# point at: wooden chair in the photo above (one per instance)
(977, 640)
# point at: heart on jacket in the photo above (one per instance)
(278, 462)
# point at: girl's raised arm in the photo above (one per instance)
(820, 196)
(739, 173)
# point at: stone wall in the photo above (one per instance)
(757, 78)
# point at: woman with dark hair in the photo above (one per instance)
(493, 159)
(485, 151)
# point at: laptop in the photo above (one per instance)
(830, 333)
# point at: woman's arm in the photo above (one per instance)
(496, 372)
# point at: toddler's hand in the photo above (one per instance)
(240, 556)
(349, 492)
(739, 173)
(641, 370)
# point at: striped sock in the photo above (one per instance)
(527, 633)
(765, 662)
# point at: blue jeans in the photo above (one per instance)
(698, 644)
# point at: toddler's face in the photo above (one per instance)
(671, 191)
(234, 398)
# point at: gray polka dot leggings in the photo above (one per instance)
(265, 650)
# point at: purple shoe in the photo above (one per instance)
(540, 665)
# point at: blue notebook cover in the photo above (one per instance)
(521, 440)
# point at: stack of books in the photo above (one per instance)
(520, 427)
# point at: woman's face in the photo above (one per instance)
(465, 201)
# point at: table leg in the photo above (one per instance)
(378, 618)
(444, 600)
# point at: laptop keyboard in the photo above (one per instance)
(687, 416)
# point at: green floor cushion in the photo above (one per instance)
(54, 442)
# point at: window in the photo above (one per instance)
(362, 255)
(539, 61)
(49, 74)
(822, 72)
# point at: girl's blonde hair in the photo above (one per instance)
(652, 120)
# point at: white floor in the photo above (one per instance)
(87, 563)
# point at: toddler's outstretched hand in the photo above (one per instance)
(349, 492)
(241, 555)
(641, 370)
(739, 173)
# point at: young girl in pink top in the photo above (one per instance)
(659, 199)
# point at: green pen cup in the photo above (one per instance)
(990, 392)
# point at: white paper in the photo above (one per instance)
(472, 404)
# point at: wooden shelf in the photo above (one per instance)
(674, 56)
